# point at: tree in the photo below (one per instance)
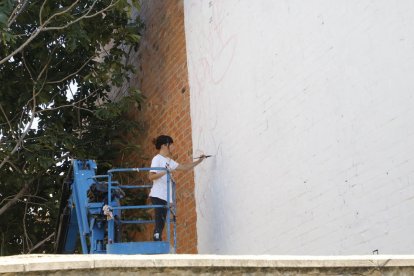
(61, 63)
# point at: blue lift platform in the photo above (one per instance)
(98, 224)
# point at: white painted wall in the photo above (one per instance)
(308, 107)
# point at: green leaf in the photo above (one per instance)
(85, 125)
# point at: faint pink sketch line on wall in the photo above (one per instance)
(216, 49)
(211, 53)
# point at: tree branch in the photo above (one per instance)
(68, 76)
(20, 194)
(70, 105)
(41, 243)
(27, 68)
(43, 27)
(82, 17)
(33, 115)
(19, 8)
(41, 11)
(23, 45)
(5, 116)
(27, 239)
(26, 130)
(58, 13)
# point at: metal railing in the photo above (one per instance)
(171, 205)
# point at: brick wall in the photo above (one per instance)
(162, 77)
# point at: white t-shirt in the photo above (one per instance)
(159, 187)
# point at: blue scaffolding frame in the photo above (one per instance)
(85, 219)
(151, 247)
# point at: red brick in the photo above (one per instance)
(167, 110)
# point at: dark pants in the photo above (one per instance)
(160, 215)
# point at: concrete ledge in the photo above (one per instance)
(82, 264)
